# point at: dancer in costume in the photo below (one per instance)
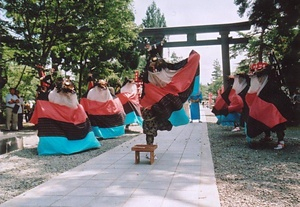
(195, 101)
(269, 106)
(105, 111)
(91, 81)
(245, 114)
(229, 105)
(241, 85)
(48, 80)
(130, 100)
(166, 87)
(63, 126)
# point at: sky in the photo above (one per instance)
(191, 13)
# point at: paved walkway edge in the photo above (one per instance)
(183, 176)
(207, 174)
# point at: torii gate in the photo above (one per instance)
(192, 31)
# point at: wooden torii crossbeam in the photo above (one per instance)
(191, 33)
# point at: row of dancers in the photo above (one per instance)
(67, 125)
(257, 102)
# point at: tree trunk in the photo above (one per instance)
(82, 66)
(20, 77)
(261, 45)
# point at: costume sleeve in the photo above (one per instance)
(236, 103)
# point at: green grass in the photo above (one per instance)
(245, 171)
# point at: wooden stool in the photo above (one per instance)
(143, 148)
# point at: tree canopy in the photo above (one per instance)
(276, 29)
(75, 35)
(217, 78)
(154, 17)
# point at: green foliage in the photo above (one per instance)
(215, 86)
(77, 35)
(154, 17)
(175, 58)
(276, 29)
(217, 73)
(27, 85)
(204, 91)
(217, 78)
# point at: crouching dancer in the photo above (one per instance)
(166, 87)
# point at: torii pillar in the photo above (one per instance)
(225, 57)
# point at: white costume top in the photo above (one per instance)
(61, 98)
(130, 88)
(161, 78)
(99, 94)
(239, 84)
(257, 83)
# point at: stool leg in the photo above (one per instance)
(151, 157)
(137, 157)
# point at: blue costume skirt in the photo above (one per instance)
(228, 120)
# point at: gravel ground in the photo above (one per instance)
(22, 170)
(260, 177)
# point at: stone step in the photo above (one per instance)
(9, 143)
